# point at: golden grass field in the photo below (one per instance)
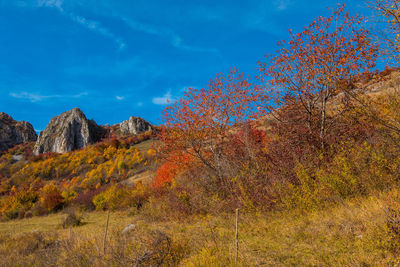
(350, 234)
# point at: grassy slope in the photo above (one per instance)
(351, 234)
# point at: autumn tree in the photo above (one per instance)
(312, 73)
(387, 29)
(201, 122)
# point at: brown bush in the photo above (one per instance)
(72, 220)
(84, 201)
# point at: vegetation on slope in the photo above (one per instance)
(309, 152)
(37, 185)
(352, 233)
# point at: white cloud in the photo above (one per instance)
(96, 26)
(51, 3)
(168, 98)
(35, 97)
(164, 100)
(178, 43)
(174, 39)
(160, 31)
(92, 25)
(282, 4)
(119, 98)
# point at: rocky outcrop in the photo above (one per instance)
(69, 131)
(14, 132)
(134, 125)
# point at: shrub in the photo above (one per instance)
(17, 204)
(100, 201)
(139, 195)
(69, 196)
(84, 201)
(115, 197)
(39, 210)
(71, 220)
(121, 197)
(27, 198)
(51, 197)
(153, 248)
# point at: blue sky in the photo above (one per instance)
(117, 58)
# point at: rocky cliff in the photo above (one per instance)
(14, 132)
(134, 125)
(69, 131)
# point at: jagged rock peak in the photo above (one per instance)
(134, 125)
(69, 131)
(5, 117)
(14, 132)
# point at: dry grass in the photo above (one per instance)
(145, 145)
(352, 234)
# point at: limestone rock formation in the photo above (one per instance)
(69, 131)
(14, 132)
(134, 125)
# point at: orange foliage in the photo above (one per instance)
(202, 119)
(170, 169)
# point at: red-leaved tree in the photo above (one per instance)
(313, 72)
(202, 121)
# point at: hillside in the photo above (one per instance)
(72, 178)
(91, 170)
(343, 214)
